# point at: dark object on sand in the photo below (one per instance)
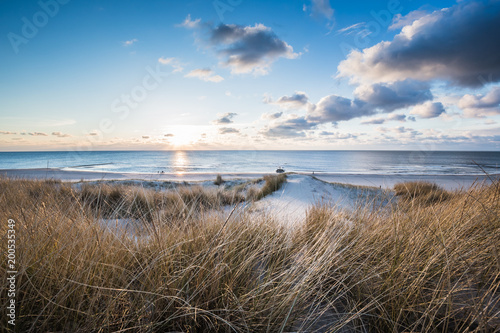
(280, 170)
(218, 180)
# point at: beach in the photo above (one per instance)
(385, 181)
(289, 204)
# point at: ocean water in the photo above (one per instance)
(342, 162)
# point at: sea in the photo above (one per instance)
(261, 161)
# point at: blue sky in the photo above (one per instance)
(240, 74)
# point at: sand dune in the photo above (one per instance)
(300, 192)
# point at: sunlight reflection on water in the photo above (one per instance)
(181, 162)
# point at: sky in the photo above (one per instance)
(242, 74)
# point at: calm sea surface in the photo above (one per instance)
(354, 162)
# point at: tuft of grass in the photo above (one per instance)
(421, 192)
(405, 267)
(272, 184)
(218, 180)
(252, 193)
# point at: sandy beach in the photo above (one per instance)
(449, 182)
(289, 204)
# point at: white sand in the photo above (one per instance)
(300, 192)
(449, 182)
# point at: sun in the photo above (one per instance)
(182, 136)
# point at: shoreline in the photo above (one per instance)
(449, 182)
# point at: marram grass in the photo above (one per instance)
(415, 265)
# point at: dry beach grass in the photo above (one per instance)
(427, 262)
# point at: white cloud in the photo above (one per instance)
(130, 42)
(290, 127)
(392, 117)
(173, 62)
(188, 23)
(479, 106)
(400, 21)
(271, 116)
(322, 10)
(400, 131)
(337, 135)
(334, 108)
(352, 28)
(322, 7)
(298, 100)
(61, 135)
(225, 118)
(244, 49)
(205, 74)
(249, 49)
(428, 110)
(397, 117)
(388, 97)
(228, 130)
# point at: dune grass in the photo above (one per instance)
(272, 183)
(119, 201)
(421, 192)
(407, 267)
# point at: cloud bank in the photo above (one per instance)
(457, 44)
(368, 100)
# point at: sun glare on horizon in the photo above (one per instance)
(182, 136)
